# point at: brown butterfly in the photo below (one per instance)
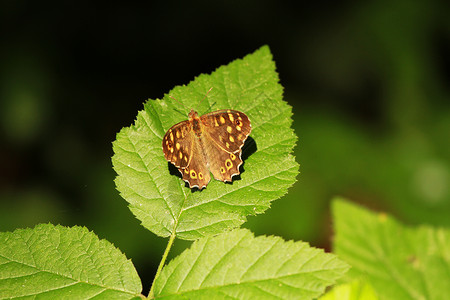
(211, 142)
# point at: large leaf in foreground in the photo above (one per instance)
(236, 265)
(161, 201)
(54, 262)
(399, 262)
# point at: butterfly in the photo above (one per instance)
(209, 143)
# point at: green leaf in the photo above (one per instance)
(236, 265)
(355, 290)
(55, 262)
(399, 262)
(161, 201)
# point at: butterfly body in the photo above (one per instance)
(207, 143)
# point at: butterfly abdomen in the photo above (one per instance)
(196, 127)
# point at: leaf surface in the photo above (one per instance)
(399, 262)
(237, 265)
(55, 262)
(161, 201)
(355, 290)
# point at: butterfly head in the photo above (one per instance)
(193, 115)
(195, 121)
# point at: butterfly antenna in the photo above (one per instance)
(179, 103)
(205, 96)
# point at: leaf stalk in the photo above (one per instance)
(161, 264)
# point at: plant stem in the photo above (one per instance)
(161, 264)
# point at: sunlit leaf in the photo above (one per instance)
(55, 262)
(236, 265)
(161, 201)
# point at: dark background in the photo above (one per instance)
(368, 82)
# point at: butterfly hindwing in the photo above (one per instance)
(196, 173)
(222, 164)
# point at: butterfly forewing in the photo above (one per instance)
(178, 144)
(227, 128)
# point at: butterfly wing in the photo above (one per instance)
(177, 144)
(222, 164)
(227, 128)
(196, 173)
(225, 132)
(181, 148)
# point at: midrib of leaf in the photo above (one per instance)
(50, 290)
(76, 281)
(181, 211)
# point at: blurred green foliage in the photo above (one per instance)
(368, 83)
